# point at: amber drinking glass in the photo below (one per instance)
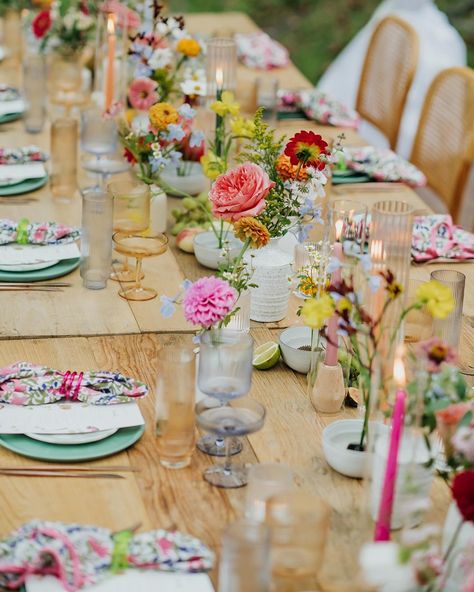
(64, 137)
(135, 245)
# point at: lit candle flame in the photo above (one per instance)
(399, 368)
(339, 225)
(219, 78)
(111, 24)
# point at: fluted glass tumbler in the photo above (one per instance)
(449, 329)
(35, 92)
(96, 239)
(175, 418)
(64, 138)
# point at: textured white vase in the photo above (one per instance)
(271, 269)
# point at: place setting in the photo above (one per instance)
(12, 104)
(22, 170)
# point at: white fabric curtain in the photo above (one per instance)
(441, 47)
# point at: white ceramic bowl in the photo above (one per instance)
(290, 340)
(207, 252)
(336, 437)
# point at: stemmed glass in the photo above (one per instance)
(131, 215)
(138, 246)
(99, 137)
(242, 417)
(225, 373)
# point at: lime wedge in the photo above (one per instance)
(266, 355)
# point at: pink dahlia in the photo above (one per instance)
(240, 192)
(208, 301)
(142, 93)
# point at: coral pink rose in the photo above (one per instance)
(240, 192)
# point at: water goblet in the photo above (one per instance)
(138, 246)
(132, 215)
(242, 417)
(225, 373)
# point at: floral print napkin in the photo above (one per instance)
(37, 233)
(8, 93)
(28, 384)
(259, 50)
(22, 155)
(436, 238)
(81, 556)
(382, 164)
(322, 108)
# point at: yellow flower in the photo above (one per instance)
(316, 312)
(242, 127)
(394, 290)
(212, 165)
(226, 106)
(344, 304)
(437, 298)
(162, 114)
(307, 286)
(252, 229)
(189, 47)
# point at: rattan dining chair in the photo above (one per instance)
(388, 71)
(444, 143)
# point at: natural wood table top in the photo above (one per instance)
(83, 329)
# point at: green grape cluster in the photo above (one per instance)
(195, 213)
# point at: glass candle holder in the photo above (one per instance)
(266, 96)
(265, 481)
(221, 65)
(96, 239)
(64, 137)
(449, 329)
(175, 394)
(35, 92)
(245, 558)
(348, 225)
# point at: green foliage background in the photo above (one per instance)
(315, 31)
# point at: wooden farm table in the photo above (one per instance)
(82, 329)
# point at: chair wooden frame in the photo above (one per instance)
(451, 196)
(388, 126)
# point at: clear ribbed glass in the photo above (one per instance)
(221, 65)
(449, 329)
(35, 92)
(96, 239)
(64, 138)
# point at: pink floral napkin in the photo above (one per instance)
(24, 383)
(36, 233)
(322, 108)
(259, 50)
(382, 164)
(8, 93)
(22, 155)
(436, 238)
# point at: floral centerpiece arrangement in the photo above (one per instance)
(160, 58)
(371, 335)
(66, 27)
(163, 139)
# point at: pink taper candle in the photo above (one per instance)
(332, 337)
(382, 527)
(110, 79)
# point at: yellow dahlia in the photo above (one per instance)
(162, 114)
(316, 312)
(189, 47)
(437, 298)
(248, 228)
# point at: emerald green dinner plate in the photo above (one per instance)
(48, 273)
(24, 187)
(357, 178)
(344, 173)
(25, 446)
(10, 117)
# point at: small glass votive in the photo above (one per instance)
(245, 558)
(35, 92)
(96, 239)
(265, 481)
(175, 397)
(449, 329)
(299, 525)
(266, 97)
(64, 137)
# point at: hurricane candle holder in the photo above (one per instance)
(221, 65)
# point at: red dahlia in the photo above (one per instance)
(41, 23)
(306, 148)
(463, 494)
(129, 156)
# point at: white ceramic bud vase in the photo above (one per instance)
(158, 210)
(271, 269)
